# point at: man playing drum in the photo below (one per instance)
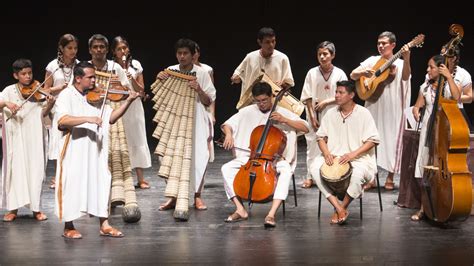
(347, 131)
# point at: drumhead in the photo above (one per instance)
(335, 172)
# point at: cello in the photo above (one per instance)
(257, 179)
(446, 184)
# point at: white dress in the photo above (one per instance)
(24, 162)
(60, 76)
(389, 118)
(134, 125)
(83, 178)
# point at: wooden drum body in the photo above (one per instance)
(336, 177)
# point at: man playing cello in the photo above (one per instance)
(238, 130)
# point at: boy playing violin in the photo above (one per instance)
(24, 161)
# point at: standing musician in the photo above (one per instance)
(318, 95)
(61, 69)
(425, 100)
(206, 92)
(238, 130)
(388, 109)
(83, 178)
(347, 131)
(273, 62)
(134, 118)
(24, 161)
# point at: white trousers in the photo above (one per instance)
(312, 150)
(360, 176)
(230, 170)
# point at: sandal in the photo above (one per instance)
(343, 220)
(334, 218)
(369, 185)
(419, 215)
(167, 206)
(52, 184)
(71, 234)
(199, 204)
(112, 232)
(9, 217)
(308, 183)
(143, 185)
(269, 222)
(235, 217)
(39, 216)
(389, 185)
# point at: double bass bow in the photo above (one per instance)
(447, 184)
(257, 179)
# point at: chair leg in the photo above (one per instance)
(319, 205)
(284, 210)
(360, 203)
(294, 190)
(378, 190)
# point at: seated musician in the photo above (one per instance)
(347, 131)
(238, 130)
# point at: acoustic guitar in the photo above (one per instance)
(370, 89)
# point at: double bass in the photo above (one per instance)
(446, 184)
(257, 179)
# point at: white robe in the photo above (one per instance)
(202, 131)
(83, 178)
(242, 125)
(389, 118)
(277, 67)
(135, 130)
(318, 89)
(210, 71)
(24, 161)
(59, 78)
(344, 136)
(249, 117)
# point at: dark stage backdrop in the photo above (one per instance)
(226, 32)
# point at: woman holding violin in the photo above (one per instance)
(25, 158)
(425, 100)
(134, 119)
(238, 132)
(59, 73)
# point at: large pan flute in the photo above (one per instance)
(175, 106)
(122, 190)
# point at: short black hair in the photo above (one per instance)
(186, 43)
(20, 64)
(262, 88)
(265, 32)
(79, 68)
(348, 84)
(99, 37)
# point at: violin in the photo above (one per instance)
(115, 94)
(447, 184)
(33, 92)
(257, 179)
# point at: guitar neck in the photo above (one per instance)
(389, 62)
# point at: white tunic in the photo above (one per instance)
(429, 95)
(202, 132)
(83, 178)
(134, 125)
(389, 118)
(60, 76)
(249, 117)
(24, 161)
(277, 67)
(318, 89)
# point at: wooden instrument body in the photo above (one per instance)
(450, 180)
(370, 89)
(261, 166)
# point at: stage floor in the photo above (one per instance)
(387, 237)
